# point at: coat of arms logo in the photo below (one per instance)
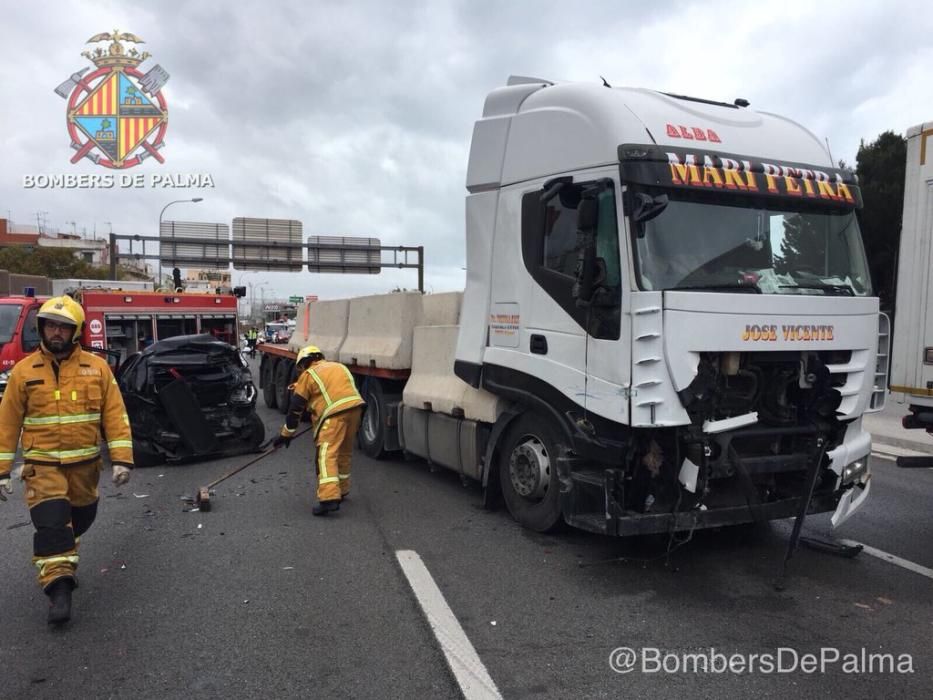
(117, 115)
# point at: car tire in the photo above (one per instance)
(528, 473)
(254, 432)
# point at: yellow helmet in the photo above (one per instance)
(307, 352)
(63, 309)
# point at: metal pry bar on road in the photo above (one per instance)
(203, 498)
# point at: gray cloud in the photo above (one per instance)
(356, 117)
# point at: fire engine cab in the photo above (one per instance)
(127, 322)
(119, 323)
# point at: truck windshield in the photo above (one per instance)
(9, 316)
(719, 244)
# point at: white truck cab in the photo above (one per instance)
(671, 300)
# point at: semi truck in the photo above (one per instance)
(912, 354)
(667, 324)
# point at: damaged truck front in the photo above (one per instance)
(190, 397)
(670, 297)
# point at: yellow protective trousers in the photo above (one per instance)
(62, 502)
(334, 451)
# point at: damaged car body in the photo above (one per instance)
(190, 397)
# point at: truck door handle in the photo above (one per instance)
(538, 344)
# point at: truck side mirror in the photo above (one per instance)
(645, 208)
(587, 267)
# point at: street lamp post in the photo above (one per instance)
(252, 297)
(161, 213)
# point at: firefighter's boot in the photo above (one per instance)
(325, 507)
(60, 600)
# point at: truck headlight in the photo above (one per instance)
(855, 471)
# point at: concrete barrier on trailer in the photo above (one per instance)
(327, 327)
(299, 337)
(433, 384)
(441, 309)
(380, 330)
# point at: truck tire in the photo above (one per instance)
(528, 473)
(283, 371)
(371, 437)
(268, 382)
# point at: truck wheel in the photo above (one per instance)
(268, 383)
(371, 436)
(282, 373)
(528, 473)
(292, 378)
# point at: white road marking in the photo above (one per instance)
(474, 680)
(909, 565)
(892, 452)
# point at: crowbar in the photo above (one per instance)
(203, 499)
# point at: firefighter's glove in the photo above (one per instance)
(281, 441)
(121, 475)
(5, 487)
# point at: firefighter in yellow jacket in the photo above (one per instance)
(63, 400)
(328, 392)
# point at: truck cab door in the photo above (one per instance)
(574, 333)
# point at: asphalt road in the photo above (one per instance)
(258, 599)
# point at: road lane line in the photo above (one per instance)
(909, 565)
(475, 682)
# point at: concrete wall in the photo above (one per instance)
(327, 327)
(441, 309)
(380, 330)
(434, 385)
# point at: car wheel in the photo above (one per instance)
(254, 432)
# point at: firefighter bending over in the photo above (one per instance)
(328, 391)
(63, 399)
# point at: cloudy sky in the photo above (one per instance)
(355, 117)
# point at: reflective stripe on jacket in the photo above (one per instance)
(328, 388)
(63, 418)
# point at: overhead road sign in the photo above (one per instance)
(267, 244)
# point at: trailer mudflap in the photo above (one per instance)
(184, 410)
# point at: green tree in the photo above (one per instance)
(54, 263)
(880, 166)
(803, 248)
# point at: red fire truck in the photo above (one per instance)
(119, 322)
(127, 322)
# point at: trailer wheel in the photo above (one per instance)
(292, 378)
(528, 473)
(268, 382)
(282, 373)
(371, 436)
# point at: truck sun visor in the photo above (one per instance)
(702, 170)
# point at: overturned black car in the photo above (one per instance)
(187, 397)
